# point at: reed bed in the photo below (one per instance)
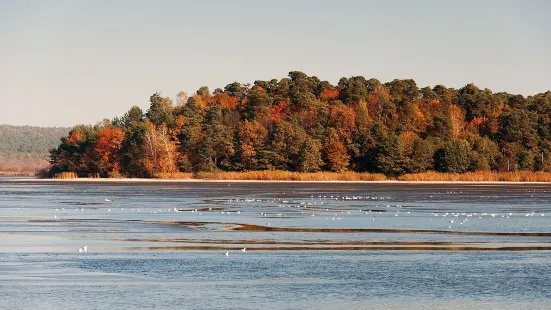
(481, 176)
(279, 175)
(174, 175)
(65, 175)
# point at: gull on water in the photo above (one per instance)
(83, 249)
(243, 250)
(227, 253)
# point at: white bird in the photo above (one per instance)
(83, 249)
(108, 200)
(243, 250)
(227, 253)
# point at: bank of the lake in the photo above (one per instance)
(347, 176)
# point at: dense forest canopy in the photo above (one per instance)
(301, 123)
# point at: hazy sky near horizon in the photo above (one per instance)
(66, 62)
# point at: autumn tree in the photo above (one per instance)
(159, 149)
(337, 158)
(107, 149)
(252, 146)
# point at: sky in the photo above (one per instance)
(68, 62)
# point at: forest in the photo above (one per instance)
(24, 149)
(304, 124)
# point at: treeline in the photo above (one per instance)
(29, 140)
(25, 148)
(304, 124)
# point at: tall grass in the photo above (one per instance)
(174, 175)
(480, 176)
(279, 175)
(65, 175)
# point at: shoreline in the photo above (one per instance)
(182, 181)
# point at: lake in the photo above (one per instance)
(306, 245)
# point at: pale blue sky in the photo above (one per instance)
(69, 62)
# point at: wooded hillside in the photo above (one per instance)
(26, 148)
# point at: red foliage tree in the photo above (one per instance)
(277, 111)
(330, 94)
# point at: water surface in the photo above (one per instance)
(317, 245)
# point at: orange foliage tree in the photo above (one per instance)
(343, 119)
(252, 137)
(107, 150)
(335, 151)
(75, 138)
(226, 101)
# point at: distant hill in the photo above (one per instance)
(25, 148)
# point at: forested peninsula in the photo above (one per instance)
(303, 124)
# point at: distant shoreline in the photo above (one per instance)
(177, 181)
(17, 173)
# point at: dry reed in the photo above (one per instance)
(65, 175)
(174, 175)
(480, 176)
(279, 175)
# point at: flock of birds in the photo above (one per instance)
(314, 206)
(84, 249)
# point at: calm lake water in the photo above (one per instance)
(308, 246)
